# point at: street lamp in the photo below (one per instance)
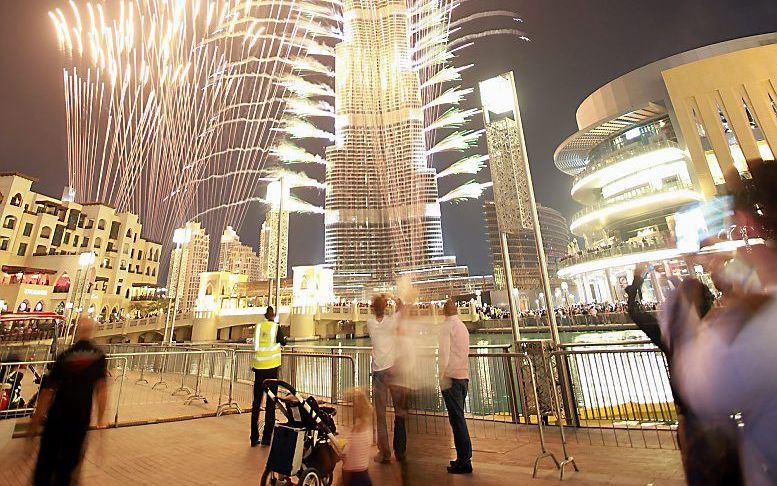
(277, 195)
(181, 238)
(85, 261)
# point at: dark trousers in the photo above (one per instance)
(269, 414)
(61, 450)
(356, 478)
(455, 397)
(382, 385)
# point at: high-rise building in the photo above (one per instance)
(270, 236)
(523, 252)
(656, 141)
(42, 239)
(382, 213)
(189, 259)
(237, 258)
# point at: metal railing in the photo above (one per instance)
(606, 393)
(620, 394)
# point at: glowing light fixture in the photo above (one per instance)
(497, 95)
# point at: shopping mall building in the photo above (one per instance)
(654, 143)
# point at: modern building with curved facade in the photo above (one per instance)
(656, 140)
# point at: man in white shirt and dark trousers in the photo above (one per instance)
(383, 334)
(453, 359)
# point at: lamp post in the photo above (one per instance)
(85, 261)
(181, 238)
(277, 196)
(509, 164)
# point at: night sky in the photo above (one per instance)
(577, 46)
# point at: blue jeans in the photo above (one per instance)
(382, 385)
(455, 397)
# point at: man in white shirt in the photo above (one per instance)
(383, 334)
(453, 356)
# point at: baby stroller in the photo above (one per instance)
(304, 451)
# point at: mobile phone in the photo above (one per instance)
(698, 222)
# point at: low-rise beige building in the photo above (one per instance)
(42, 240)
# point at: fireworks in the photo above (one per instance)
(177, 109)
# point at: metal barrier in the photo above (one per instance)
(613, 393)
(620, 397)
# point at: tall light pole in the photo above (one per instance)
(277, 196)
(513, 189)
(281, 207)
(181, 238)
(85, 261)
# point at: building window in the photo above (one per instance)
(66, 239)
(4, 244)
(75, 240)
(9, 222)
(85, 242)
(22, 249)
(98, 242)
(38, 307)
(45, 232)
(17, 200)
(101, 224)
(40, 250)
(27, 229)
(62, 285)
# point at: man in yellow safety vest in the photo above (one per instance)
(268, 339)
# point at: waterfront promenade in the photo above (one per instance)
(214, 451)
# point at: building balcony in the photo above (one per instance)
(652, 153)
(635, 203)
(617, 256)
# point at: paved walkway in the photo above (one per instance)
(214, 451)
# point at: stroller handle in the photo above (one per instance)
(266, 384)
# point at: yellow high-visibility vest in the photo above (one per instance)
(267, 352)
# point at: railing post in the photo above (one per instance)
(512, 390)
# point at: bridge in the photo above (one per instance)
(328, 322)
(232, 324)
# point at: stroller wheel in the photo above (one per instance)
(327, 479)
(310, 477)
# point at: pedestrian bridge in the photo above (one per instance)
(232, 323)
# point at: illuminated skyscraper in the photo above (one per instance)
(237, 258)
(188, 261)
(382, 210)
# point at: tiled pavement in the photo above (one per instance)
(214, 451)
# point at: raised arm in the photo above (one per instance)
(646, 322)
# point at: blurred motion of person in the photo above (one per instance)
(453, 356)
(702, 444)
(268, 339)
(356, 460)
(11, 378)
(383, 334)
(727, 366)
(77, 378)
